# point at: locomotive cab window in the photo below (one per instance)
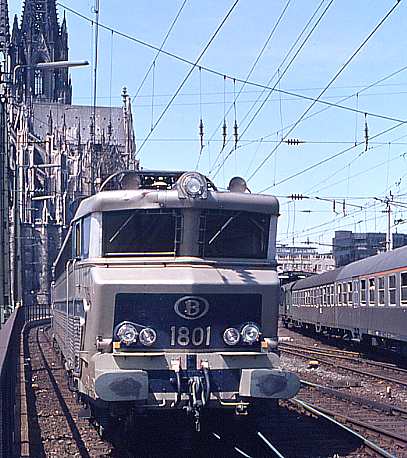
(141, 233)
(64, 256)
(234, 234)
(77, 244)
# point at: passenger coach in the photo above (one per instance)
(365, 300)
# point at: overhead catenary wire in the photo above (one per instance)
(328, 159)
(160, 49)
(360, 208)
(240, 80)
(254, 65)
(282, 74)
(189, 73)
(369, 142)
(331, 81)
(365, 88)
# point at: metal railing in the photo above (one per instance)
(11, 335)
(9, 364)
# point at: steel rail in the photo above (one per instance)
(389, 408)
(333, 350)
(357, 357)
(235, 448)
(329, 415)
(270, 445)
(342, 353)
(350, 369)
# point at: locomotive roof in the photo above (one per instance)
(156, 199)
(373, 264)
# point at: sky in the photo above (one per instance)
(342, 52)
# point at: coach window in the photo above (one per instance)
(381, 290)
(392, 290)
(339, 291)
(362, 291)
(350, 293)
(372, 296)
(345, 294)
(355, 292)
(403, 288)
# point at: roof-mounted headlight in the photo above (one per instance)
(192, 184)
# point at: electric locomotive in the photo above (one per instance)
(165, 297)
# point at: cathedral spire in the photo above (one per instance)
(4, 27)
(42, 39)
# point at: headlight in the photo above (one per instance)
(231, 336)
(147, 336)
(250, 333)
(192, 184)
(127, 333)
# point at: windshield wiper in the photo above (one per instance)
(222, 229)
(114, 236)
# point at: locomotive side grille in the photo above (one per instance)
(184, 321)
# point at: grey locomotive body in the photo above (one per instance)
(365, 300)
(166, 296)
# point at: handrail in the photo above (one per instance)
(9, 353)
(10, 338)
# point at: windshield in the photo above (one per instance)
(234, 234)
(140, 233)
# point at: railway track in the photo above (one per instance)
(55, 429)
(373, 369)
(378, 421)
(370, 448)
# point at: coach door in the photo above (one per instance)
(356, 306)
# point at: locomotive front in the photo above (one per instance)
(182, 303)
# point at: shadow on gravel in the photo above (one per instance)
(36, 442)
(291, 433)
(34, 432)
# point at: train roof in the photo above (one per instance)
(169, 198)
(316, 280)
(382, 262)
(374, 264)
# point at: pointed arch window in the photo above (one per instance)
(38, 83)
